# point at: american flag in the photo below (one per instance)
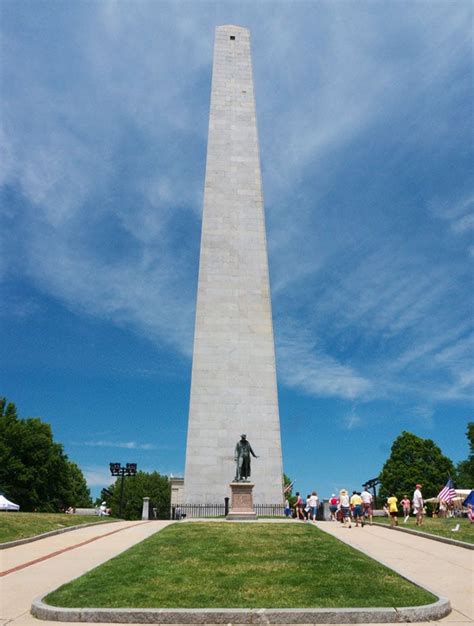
(288, 488)
(447, 493)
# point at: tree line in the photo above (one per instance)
(145, 484)
(34, 470)
(416, 460)
(36, 473)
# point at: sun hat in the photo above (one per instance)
(418, 485)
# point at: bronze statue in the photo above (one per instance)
(243, 450)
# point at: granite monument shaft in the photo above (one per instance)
(233, 387)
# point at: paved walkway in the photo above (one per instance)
(39, 567)
(445, 569)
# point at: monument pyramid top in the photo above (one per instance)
(232, 27)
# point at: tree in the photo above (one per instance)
(414, 460)
(80, 493)
(152, 485)
(34, 470)
(286, 483)
(465, 469)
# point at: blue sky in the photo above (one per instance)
(365, 124)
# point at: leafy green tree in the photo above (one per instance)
(34, 470)
(465, 469)
(152, 485)
(79, 491)
(414, 460)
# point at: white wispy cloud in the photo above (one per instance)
(361, 310)
(464, 224)
(424, 413)
(460, 214)
(352, 420)
(97, 476)
(301, 364)
(129, 445)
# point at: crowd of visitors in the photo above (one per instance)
(305, 510)
(344, 508)
(358, 508)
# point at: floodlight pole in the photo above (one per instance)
(122, 483)
(130, 469)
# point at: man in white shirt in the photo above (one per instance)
(418, 504)
(313, 502)
(367, 504)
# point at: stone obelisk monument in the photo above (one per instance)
(233, 388)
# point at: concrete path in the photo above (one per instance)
(445, 569)
(36, 568)
(42, 566)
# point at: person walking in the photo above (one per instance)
(299, 506)
(313, 502)
(333, 504)
(345, 505)
(418, 504)
(356, 508)
(393, 509)
(406, 508)
(367, 504)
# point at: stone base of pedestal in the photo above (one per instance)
(241, 502)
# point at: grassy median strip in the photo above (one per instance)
(23, 525)
(218, 565)
(438, 526)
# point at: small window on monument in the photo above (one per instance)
(232, 37)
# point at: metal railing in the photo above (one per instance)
(270, 510)
(198, 510)
(219, 510)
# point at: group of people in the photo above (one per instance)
(356, 508)
(304, 510)
(391, 506)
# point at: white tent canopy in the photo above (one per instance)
(6, 505)
(461, 495)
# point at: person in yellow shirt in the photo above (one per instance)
(356, 507)
(393, 509)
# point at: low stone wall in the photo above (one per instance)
(388, 615)
(420, 533)
(88, 511)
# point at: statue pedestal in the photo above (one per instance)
(241, 504)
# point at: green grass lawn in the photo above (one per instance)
(22, 525)
(218, 565)
(438, 526)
